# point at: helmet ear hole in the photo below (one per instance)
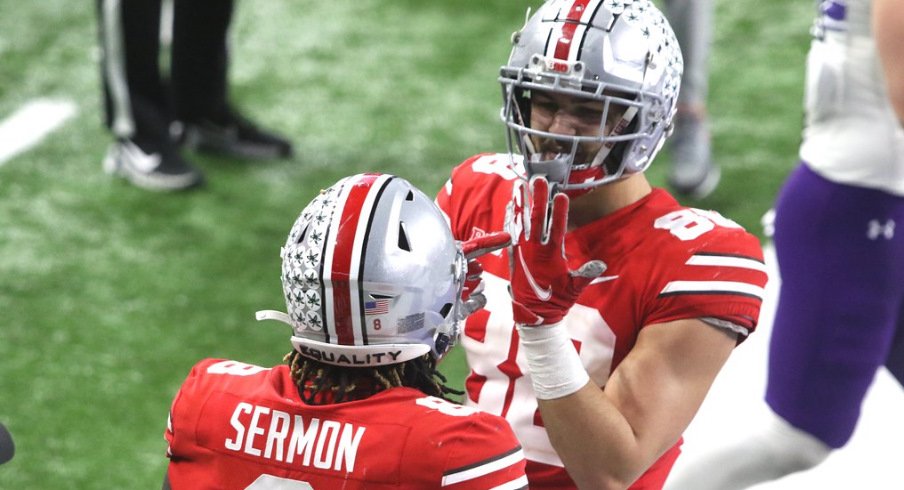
(403, 238)
(304, 233)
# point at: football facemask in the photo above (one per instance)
(622, 55)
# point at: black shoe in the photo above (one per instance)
(155, 167)
(235, 136)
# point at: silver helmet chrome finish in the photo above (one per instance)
(621, 53)
(371, 275)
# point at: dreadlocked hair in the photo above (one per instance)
(320, 383)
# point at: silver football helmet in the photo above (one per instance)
(371, 275)
(621, 53)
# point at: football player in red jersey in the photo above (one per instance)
(615, 308)
(375, 287)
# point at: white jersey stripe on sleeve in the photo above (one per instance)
(515, 484)
(712, 287)
(727, 261)
(483, 468)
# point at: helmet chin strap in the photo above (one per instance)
(447, 331)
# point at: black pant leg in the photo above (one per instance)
(200, 58)
(135, 96)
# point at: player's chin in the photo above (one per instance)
(582, 176)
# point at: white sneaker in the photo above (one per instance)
(157, 170)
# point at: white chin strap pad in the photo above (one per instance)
(273, 315)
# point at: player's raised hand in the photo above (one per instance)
(543, 286)
(472, 293)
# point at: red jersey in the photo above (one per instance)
(238, 426)
(665, 262)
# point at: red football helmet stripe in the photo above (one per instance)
(572, 21)
(344, 260)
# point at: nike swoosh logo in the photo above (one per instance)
(603, 279)
(543, 294)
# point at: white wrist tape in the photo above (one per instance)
(554, 364)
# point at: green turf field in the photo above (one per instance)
(108, 293)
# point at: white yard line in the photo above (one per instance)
(29, 125)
